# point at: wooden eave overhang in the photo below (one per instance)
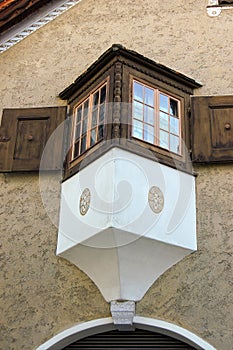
(118, 51)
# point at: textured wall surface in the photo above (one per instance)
(197, 292)
(178, 34)
(41, 294)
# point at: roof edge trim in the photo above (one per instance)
(117, 50)
(32, 27)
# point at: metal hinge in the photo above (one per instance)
(4, 138)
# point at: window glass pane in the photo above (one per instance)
(83, 143)
(148, 133)
(94, 118)
(86, 106)
(149, 115)
(174, 144)
(173, 107)
(93, 137)
(103, 94)
(174, 125)
(79, 114)
(137, 129)
(76, 149)
(77, 131)
(164, 139)
(102, 113)
(163, 121)
(84, 126)
(163, 102)
(137, 91)
(149, 96)
(100, 132)
(138, 110)
(95, 99)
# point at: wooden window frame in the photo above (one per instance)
(156, 112)
(90, 97)
(175, 91)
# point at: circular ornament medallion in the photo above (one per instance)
(156, 199)
(84, 202)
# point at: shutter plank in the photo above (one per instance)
(8, 132)
(212, 129)
(53, 156)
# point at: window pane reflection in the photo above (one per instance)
(84, 126)
(77, 132)
(138, 91)
(149, 115)
(93, 137)
(163, 102)
(138, 110)
(149, 97)
(94, 118)
(164, 121)
(79, 114)
(174, 125)
(102, 113)
(86, 106)
(164, 139)
(149, 133)
(138, 129)
(174, 144)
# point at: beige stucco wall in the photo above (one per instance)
(42, 294)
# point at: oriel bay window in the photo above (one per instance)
(126, 100)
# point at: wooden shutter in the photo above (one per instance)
(23, 136)
(212, 128)
(139, 339)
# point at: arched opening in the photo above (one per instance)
(129, 340)
(149, 334)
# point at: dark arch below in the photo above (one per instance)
(134, 340)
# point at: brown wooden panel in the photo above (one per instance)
(221, 122)
(23, 136)
(212, 129)
(31, 135)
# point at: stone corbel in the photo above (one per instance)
(123, 313)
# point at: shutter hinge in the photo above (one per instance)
(4, 138)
